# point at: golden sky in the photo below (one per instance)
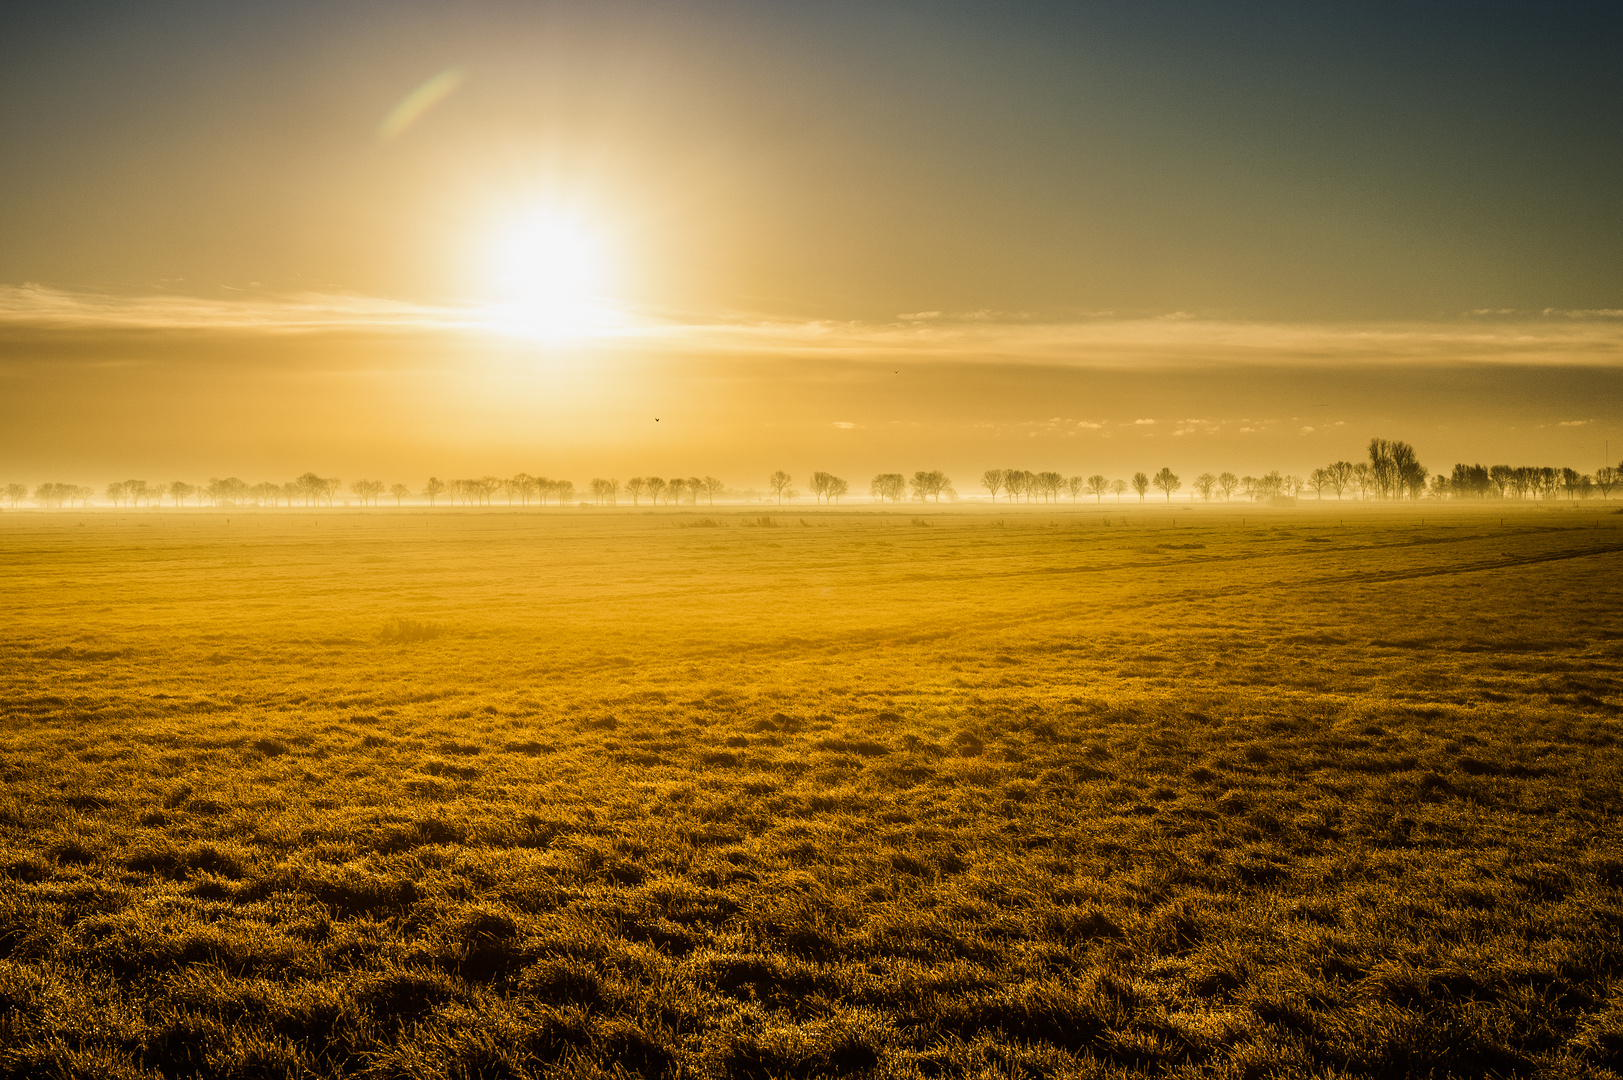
(397, 239)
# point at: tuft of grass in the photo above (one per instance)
(400, 630)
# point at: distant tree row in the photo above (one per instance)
(1524, 482)
(1392, 471)
(657, 488)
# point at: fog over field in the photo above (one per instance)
(743, 540)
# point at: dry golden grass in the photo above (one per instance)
(918, 794)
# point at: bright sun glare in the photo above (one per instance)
(549, 272)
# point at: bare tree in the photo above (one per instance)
(992, 481)
(1316, 480)
(779, 483)
(1073, 485)
(1337, 475)
(655, 486)
(712, 488)
(635, 487)
(565, 490)
(367, 490)
(1204, 483)
(16, 493)
(1050, 482)
(1165, 480)
(401, 493)
(1141, 484)
(433, 489)
(828, 486)
(1362, 481)
(892, 486)
(674, 489)
(115, 493)
(1226, 483)
(1118, 488)
(1097, 486)
(931, 484)
(1606, 479)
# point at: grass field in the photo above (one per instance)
(1009, 794)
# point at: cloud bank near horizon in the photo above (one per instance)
(1549, 337)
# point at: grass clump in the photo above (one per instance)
(399, 630)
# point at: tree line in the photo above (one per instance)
(1392, 471)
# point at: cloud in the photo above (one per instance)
(984, 338)
(1143, 422)
(1308, 430)
(844, 424)
(1574, 423)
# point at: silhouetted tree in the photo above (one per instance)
(1097, 486)
(400, 492)
(1226, 483)
(635, 487)
(712, 488)
(1018, 482)
(892, 486)
(367, 490)
(992, 481)
(433, 489)
(1119, 488)
(1316, 480)
(674, 489)
(779, 483)
(1204, 483)
(1469, 480)
(227, 492)
(931, 484)
(1605, 480)
(1363, 479)
(1499, 477)
(115, 493)
(828, 486)
(1337, 475)
(1141, 484)
(311, 487)
(1294, 485)
(565, 490)
(655, 487)
(1073, 485)
(1165, 480)
(15, 494)
(1050, 484)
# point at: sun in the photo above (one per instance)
(549, 271)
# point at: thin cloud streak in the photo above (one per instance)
(1177, 340)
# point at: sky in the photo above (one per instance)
(396, 239)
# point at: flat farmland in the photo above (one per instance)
(1028, 792)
